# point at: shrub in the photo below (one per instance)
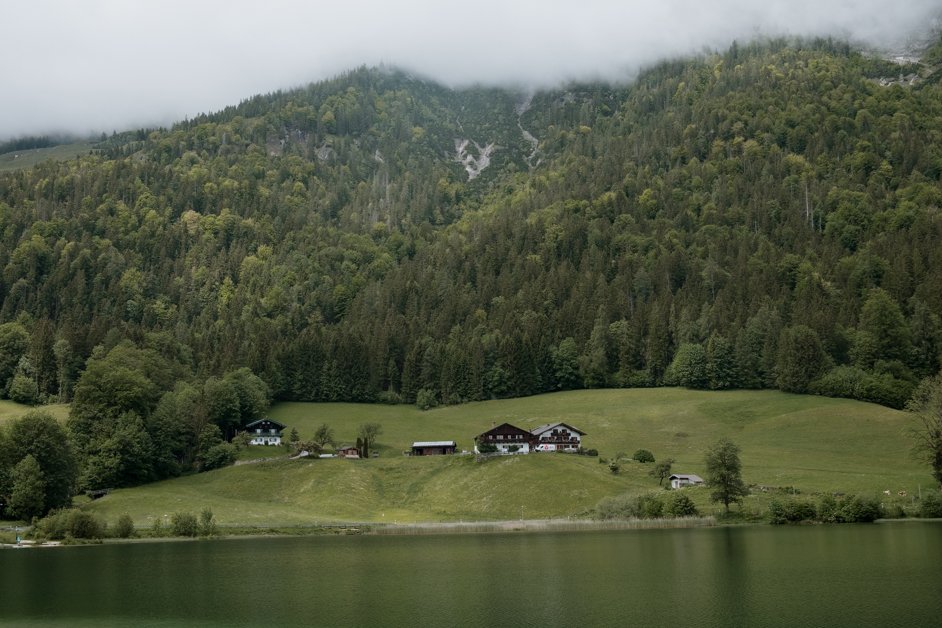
(207, 523)
(486, 448)
(614, 467)
(218, 456)
(857, 509)
(589, 452)
(791, 511)
(183, 524)
(650, 506)
(426, 399)
(124, 528)
(680, 505)
(850, 509)
(389, 397)
(70, 523)
(643, 455)
(931, 506)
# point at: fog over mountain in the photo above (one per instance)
(109, 64)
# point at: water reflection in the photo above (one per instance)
(760, 576)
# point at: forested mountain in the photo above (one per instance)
(765, 217)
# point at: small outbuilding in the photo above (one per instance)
(679, 480)
(347, 451)
(433, 447)
(265, 432)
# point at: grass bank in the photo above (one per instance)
(812, 444)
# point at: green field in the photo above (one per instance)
(814, 444)
(29, 158)
(10, 410)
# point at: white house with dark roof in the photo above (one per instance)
(557, 437)
(265, 432)
(679, 480)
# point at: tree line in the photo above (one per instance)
(765, 217)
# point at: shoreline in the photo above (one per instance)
(526, 526)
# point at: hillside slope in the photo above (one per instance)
(772, 212)
(809, 443)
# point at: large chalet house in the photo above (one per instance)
(510, 439)
(557, 437)
(265, 432)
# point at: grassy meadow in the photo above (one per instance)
(28, 158)
(813, 444)
(10, 410)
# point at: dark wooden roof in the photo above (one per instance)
(271, 422)
(544, 428)
(504, 429)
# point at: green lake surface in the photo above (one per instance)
(846, 575)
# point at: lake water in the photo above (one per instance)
(851, 575)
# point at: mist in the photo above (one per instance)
(103, 65)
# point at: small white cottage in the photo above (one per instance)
(679, 480)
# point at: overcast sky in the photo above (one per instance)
(100, 65)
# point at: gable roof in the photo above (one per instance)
(536, 431)
(505, 428)
(685, 476)
(434, 443)
(264, 419)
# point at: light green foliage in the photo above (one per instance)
(69, 523)
(926, 407)
(207, 523)
(724, 473)
(38, 435)
(124, 528)
(183, 524)
(679, 504)
(689, 367)
(28, 494)
(662, 470)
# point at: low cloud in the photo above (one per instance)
(101, 65)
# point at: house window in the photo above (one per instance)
(258, 431)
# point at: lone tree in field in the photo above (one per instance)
(367, 434)
(724, 473)
(926, 404)
(662, 470)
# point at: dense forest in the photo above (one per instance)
(765, 217)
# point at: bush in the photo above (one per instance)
(486, 448)
(680, 505)
(124, 528)
(791, 511)
(931, 506)
(183, 524)
(426, 399)
(647, 506)
(860, 510)
(70, 523)
(650, 507)
(208, 523)
(589, 452)
(643, 455)
(614, 467)
(389, 397)
(850, 509)
(218, 456)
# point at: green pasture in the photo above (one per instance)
(28, 158)
(813, 444)
(10, 410)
